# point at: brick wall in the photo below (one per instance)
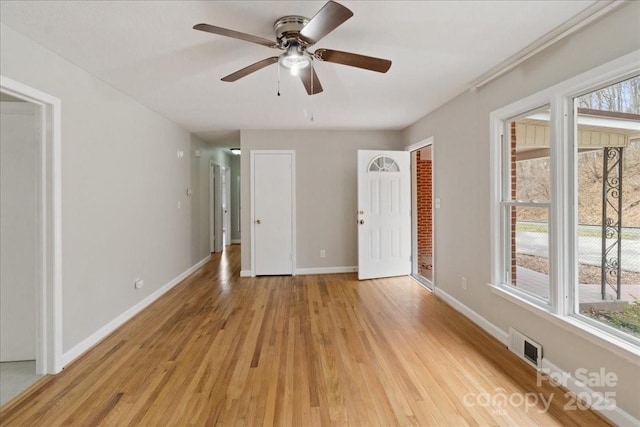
(424, 220)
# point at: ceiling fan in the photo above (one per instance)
(295, 35)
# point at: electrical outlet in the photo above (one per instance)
(322, 253)
(138, 284)
(464, 283)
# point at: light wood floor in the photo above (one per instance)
(307, 350)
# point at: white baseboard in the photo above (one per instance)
(236, 241)
(616, 415)
(245, 273)
(327, 270)
(102, 333)
(489, 327)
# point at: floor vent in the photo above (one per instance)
(527, 349)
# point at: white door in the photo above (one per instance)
(212, 208)
(217, 217)
(226, 205)
(384, 214)
(19, 236)
(273, 212)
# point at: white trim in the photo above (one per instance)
(49, 346)
(592, 334)
(590, 14)
(245, 273)
(107, 329)
(236, 241)
(212, 222)
(489, 327)
(563, 215)
(292, 153)
(216, 206)
(327, 270)
(429, 284)
(616, 415)
(421, 144)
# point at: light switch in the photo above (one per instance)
(437, 203)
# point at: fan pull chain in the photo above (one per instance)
(311, 101)
(278, 79)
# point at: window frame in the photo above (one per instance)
(563, 215)
(507, 202)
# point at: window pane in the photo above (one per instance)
(608, 230)
(529, 173)
(529, 252)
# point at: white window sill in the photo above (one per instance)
(594, 335)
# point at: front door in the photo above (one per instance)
(272, 188)
(384, 214)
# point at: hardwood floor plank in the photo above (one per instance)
(308, 350)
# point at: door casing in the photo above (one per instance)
(253, 155)
(49, 357)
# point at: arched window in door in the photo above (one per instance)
(383, 164)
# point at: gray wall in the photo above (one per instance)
(461, 165)
(235, 198)
(121, 181)
(200, 203)
(326, 196)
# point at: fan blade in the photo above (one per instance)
(235, 34)
(353, 60)
(305, 76)
(250, 69)
(326, 20)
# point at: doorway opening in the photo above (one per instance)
(422, 218)
(30, 279)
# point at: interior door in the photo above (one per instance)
(384, 214)
(273, 214)
(218, 216)
(226, 206)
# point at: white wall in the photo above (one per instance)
(461, 131)
(121, 182)
(326, 192)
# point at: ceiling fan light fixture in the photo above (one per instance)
(235, 151)
(295, 60)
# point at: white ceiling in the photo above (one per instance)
(149, 51)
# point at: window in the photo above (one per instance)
(383, 164)
(525, 203)
(565, 212)
(608, 193)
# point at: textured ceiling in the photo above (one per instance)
(149, 51)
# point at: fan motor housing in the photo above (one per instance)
(288, 28)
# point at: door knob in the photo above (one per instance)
(361, 222)
(258, 221)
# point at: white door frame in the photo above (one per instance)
(414, 214)
(226, 170)
(212, 222)
(293, 207)
(49, 294)
(215, 207)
